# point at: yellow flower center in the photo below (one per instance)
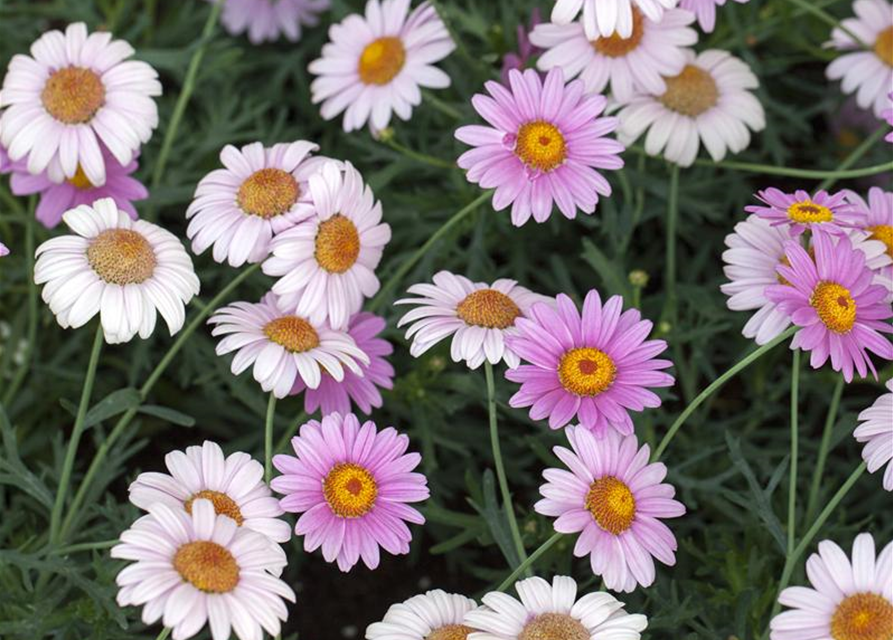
(293, 333)
(883, 46)
(554, 626)
(80, 180)
(863, 616)
(350, 490)
(268, 193)
(223, 504)
(208, 566)
(540, 145)
(835, 306)
(450, 632)
(884, 233)
(382, 60)
(337, 244)
(586, 371)
(615, 46)
(807, 212)
(612, 504)
(691, 93)
(73, 95)
(121, 256)
(488, 308)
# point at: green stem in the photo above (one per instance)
(291, 431)
(670, 263)
(716, 384)
(31, 334)
(268, 439)
(792, 483)
(855, 156)
(420, 157)
(500, 467)
(824, 16)
(165, 632)
(824, 448)
(799, 173)
(71, 454)
(526, 564)
(85, 546)
(441, 106)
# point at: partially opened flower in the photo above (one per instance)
(543, 146)
(435, 615)
(375, 65)
(478, 316)
(4, 250)
(260, 192)
(604, 17)
(267, 20)
(799, 211)
(631, 65)
(234, 484)
(352, 484)
(597, 366)
(75, 91)
(878, 214)
(202, 568)
(876, 431)
(121, 269)
(363, 390)
(548, 611)
(284, 347)
(850, 599)
(706, 11)
(526, 49)
(710, 102)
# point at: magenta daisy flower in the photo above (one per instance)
(595, 367)
(334, 396)
(544, 145)
(705, 10)
(267, 20)
(832, 298)
(616, 500)
(802, 211)
(351, 484)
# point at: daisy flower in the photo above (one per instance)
(327, 262)
(878, 212)
(260, 192)
(435, 615)
(709, 102)
(4, 250)
(234, 484)
(595, 367)
(283, 347)
(333, 396)
(351, 485)
(553, 611)
(706, 11)
(631, 65)
(867, 73)
(479, 317)
(799, 211)
(876, 430)
(121, 269)
(5, 162)
(543, 145)
(198, 568)
(375, 64)
(604, 17)
(73, 92)
(832, 298)
(267, 20)
(849, 599)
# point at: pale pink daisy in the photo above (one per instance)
(267, 20)
(234, 484)
(75, 91)
(799, 211)
(363, 390)
(876, 431)
(597, 366)
(867, 73)
(706, 11)
(435, 615)
(327, 262)
(543, 146)
(202, 568)
(124, 270)
(374, 65)
(710, 102)
(260, 192)
(631, 65)
(604, 17)
(283, 347)
(352, 485)
(842, 314)
(5, 162)
(849, 599)
(478, 316)
(4, 250)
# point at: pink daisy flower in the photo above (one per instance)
(876, 431)
(800, 211)
(878, 214)
(267, 20)
(604, 17)
(5, 162)
(75, 91)
(595, 367)
(832, 298)
(4, 250)
(543, 146)
(333, 396)
(351, 484)
(706, 11)
(616, 500)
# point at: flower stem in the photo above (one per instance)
(71, 454)
(669, 312)
(441, 106)
(291, 431)
(808, 174)
(824, 16)
(854, 157)
(526, 564)
(85, 546)
(824, 448)
(419, 157)
(792, 483)
(268, 439)
(165, 632)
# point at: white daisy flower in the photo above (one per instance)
(120, 268)
(283, 346)
(234, 484)
(198, 568)
(435, 615)
(72, 92)
(553, 611)
(327, 262)
(876, 431)
(375, 64)
(604, 17)
(709, 103)
(478, 315)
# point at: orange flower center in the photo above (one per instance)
(883, 46)
(540, 145)
(691, 93)
(807, 212)
(80, 180)
(835, 306)
(488, 308)
(337, 244)
(223, 504)
(268, 193)
(73, 95)
(382, 60)
(208, 566)
(293, 333)
(350, 490)
(121, 256)
(863, 616)
(612, 504)
(586, 371)
(554, 626)
(884, 233)
(450, 632)
(615, 46)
